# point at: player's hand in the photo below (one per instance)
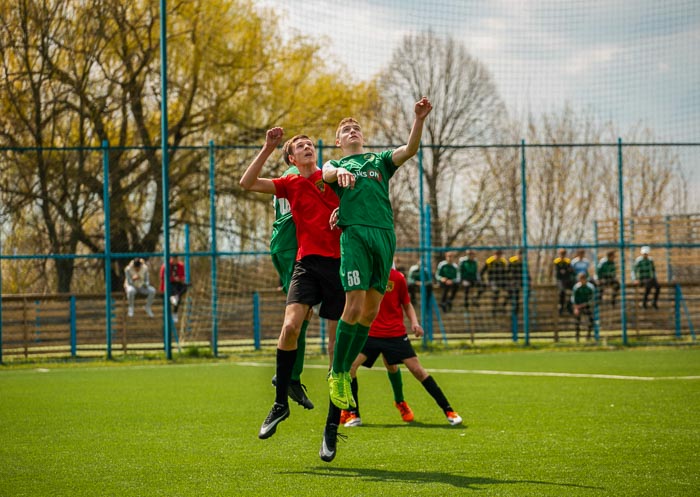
(423, 108)
(417, 330)
(333, 221)
(345, 178)
(273, 137)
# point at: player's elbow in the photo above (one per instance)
(245, 183)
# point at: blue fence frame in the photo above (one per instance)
(426, 249)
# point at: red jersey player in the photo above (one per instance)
(388, 337)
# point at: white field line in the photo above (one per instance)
(511, 373)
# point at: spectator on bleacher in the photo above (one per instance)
(582, 296)
(178, 286)
(515, 275)
(565, 277)
(644, 273)
(496, 271)
(447, 275)
(580, 264)
(606, 276)
(469, 277)
(415, 282)
(137, 281)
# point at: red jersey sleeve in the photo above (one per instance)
(281, 186)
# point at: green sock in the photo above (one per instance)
(301, 348)
(343, 340)
(396, 385)
(358, 343)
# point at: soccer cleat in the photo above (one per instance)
(344, 416)
(330, 439)
(453, 418)
(348, 389)
(297, 392)
(278, 413)
(130, 312)
(406, 412)
(336, 387)
(353, 420)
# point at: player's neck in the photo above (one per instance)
(353, 149)
(307, 170)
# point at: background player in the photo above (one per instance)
(388, 337)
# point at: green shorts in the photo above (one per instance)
(284, 264)
(366, 257)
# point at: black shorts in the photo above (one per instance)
(395, 350)
(316, 279)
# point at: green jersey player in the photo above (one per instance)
(367, 243)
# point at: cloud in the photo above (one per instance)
(586, 60)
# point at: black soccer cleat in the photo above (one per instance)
(278, 413)
(330, 438)
(297, 392)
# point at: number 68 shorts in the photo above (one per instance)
(366, 256)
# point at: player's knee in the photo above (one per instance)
(291, 329)
(352, 312)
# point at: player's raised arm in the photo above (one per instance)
(331, 174)
(251, 178)
(405, 152)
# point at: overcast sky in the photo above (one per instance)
(630, 61)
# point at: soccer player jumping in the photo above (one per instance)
(315, 276)
(368, 240)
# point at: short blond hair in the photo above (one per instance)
(343, 123)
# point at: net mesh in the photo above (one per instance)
(568, 78)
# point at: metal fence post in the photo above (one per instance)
(524, 276)
(108, 245)
(212, 226)
(73, 328)
(167, 325)
(623, 272)
(256, 320)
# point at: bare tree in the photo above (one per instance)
(466, 110)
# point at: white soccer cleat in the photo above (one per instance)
(453, 418)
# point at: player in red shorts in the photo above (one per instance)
(388, 337)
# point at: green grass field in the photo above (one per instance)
(191, 429)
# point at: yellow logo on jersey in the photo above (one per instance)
(320, 185)
(389, 286)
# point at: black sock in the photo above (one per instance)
(285, 364)
(434, 390)
(354, 389)
(333, 414)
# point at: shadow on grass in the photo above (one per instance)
(426, 477)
